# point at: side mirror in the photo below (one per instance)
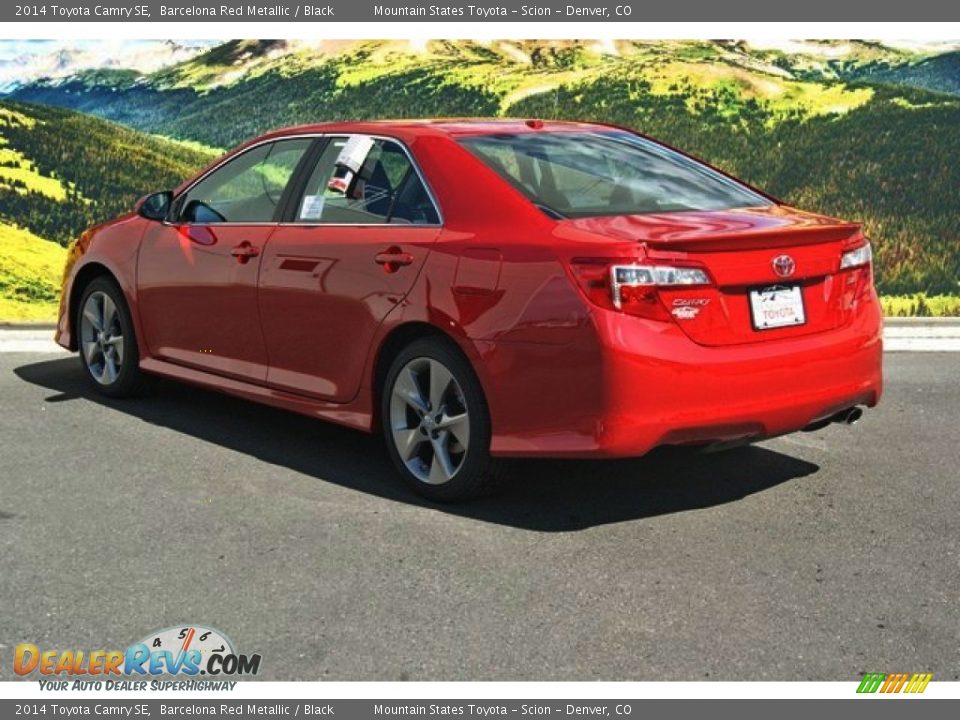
(155, 206)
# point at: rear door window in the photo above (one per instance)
(374, 183)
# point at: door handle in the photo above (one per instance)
(244, 251)
(393, 259)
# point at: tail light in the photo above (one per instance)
(862, 255)
(634, 288)
(856, 266)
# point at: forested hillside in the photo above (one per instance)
(940, 73)
(61, 171)
(811, 124)
(886, 164)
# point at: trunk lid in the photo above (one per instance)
(739, 248)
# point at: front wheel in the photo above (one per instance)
(106, 340)
(436, 423)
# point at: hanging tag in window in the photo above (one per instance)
(354, 152)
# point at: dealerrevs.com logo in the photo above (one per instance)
(181, 651)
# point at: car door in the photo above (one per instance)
(358, 231)
(197, 273)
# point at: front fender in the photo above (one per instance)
(108, 249)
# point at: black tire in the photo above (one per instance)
(477, 474)
(128, 378)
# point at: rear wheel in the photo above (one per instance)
(436, 423)
(106, 340)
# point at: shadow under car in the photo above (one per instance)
(538, 495)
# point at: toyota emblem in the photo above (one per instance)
(783, 265)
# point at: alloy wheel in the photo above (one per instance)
(101, 338)
(429, 420)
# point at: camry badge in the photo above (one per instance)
(783, 265)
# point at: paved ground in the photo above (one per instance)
(812, 557)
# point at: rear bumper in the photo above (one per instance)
(653, 386)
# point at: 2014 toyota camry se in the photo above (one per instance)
(484, 289)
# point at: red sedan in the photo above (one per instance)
(484, 289)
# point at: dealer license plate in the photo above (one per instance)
(778, 306)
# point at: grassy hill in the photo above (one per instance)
(799, 120)
(30, 270)
(61, 171)
(261, 83)
(851, 128)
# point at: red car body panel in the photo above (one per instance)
(312, 272)
(302, 324)
(197, 304)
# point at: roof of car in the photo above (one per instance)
(448, 126)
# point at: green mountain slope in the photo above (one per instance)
(940, 73)
(797, 119)
(62, 171)
(887, 164)
(30, 270)
(243, 87)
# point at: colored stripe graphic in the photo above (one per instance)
(894, 682)
(871, 682)
(918, 683)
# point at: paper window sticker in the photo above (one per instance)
(312, 208)
(355, 152)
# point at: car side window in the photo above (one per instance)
(384, 187)
(247, 188)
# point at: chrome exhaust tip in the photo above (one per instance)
(851, 416)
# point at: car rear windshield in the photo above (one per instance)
(585, 174)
